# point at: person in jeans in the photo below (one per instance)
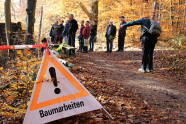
(65, 32)
(92, 35)
(121, 36)
(110, 35)
(86, 35)
(53, 32)
(81, 33)
(148, 43)
(73, 26)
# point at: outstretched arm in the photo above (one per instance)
(138, 22)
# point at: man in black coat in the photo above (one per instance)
(110, 35)
(121, 36)
(73, 26)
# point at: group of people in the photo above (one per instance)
(68, 32)
(84, 33)
(111, 33)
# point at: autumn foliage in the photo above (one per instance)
(170, 13)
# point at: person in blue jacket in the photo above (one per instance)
(148, 43)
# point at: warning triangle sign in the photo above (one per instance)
(58, 94)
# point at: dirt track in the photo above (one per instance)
(161, 88)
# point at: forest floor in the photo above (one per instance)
(131, 96)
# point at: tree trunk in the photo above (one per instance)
(40, 25)
(31, 7)
(93, 14)
(8, 26)
(94, 10)
(159, 18)
(154, 10)
(171, 14)
(184, 20)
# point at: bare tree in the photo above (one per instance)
(31, 7)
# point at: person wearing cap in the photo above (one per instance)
(121, 35)
(110, 35)
(148, 43)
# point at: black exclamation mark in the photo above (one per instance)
(54, 78)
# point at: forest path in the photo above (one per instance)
(160, 88)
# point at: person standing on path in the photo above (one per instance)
(73, 26)
(81, 34)
(148, 43)
(110, 35)
(92, 35)
(53, 32)
(61, 28)
(65, 32)
(86, 35)
(121, 35)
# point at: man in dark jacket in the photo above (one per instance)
(92, 35)
(148, 43)
(121, 36)
(73, 26)
(53, 32)
(65, 32)
(110, 35)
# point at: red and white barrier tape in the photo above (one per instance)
(23, 46)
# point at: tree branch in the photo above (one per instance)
(85, 10)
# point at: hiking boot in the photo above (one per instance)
(141, 70)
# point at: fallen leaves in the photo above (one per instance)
(27, 51)
(10, 98)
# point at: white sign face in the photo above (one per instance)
(58, 94)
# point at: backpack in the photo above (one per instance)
(155, 28)
(80, 37)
